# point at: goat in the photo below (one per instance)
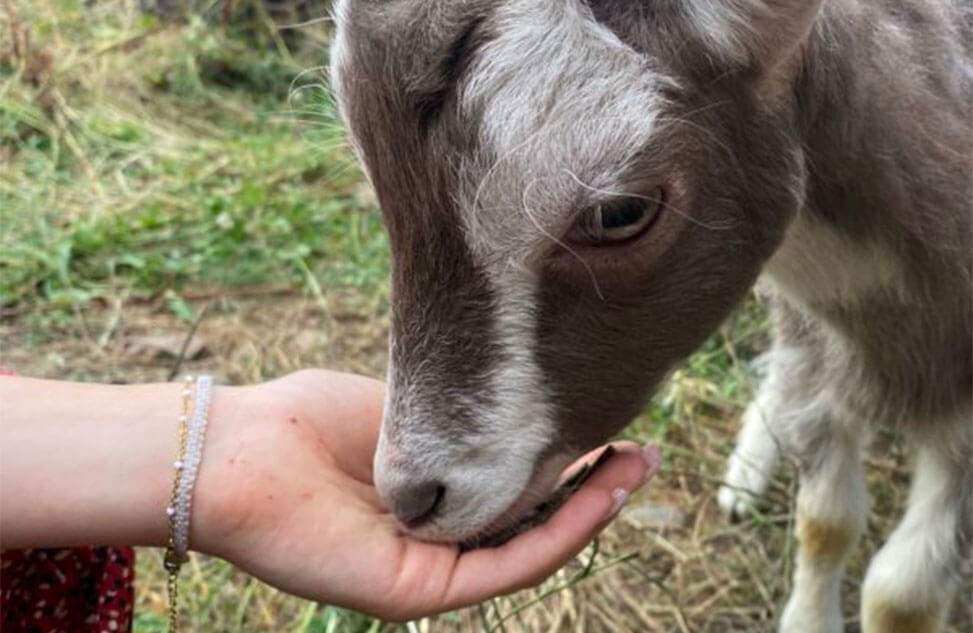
(578, 192)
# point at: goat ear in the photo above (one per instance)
(754, 33)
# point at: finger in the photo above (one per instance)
(536, 554)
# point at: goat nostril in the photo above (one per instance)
(416, 505)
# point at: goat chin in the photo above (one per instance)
(526, 513)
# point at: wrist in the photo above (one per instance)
(238, 421)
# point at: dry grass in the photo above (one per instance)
(106, 116)
(692, 572)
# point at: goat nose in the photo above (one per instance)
(414, 505)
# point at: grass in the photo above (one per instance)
(186, 156)
(158, 175)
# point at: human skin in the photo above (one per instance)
(284, 490)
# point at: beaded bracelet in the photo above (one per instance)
(192, 433)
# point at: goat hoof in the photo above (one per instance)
(736, 504)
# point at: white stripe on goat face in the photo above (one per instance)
(564, 106)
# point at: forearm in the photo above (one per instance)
(85, 464)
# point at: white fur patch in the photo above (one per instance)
(834, 496)
(817, 266)
(491, 469)
(757, 451)
(914, 570)
(748, 31)
(551, 73)
(519, 421)
(727, 26)
(339, 47)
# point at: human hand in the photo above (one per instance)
(285, 493)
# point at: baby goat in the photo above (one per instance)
(578, 192)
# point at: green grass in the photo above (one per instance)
(142, 160)
(217, 163)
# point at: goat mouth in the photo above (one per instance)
(500, 532)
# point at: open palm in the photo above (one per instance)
(286, 494)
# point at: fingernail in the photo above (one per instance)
(619, 496)
(652, 457)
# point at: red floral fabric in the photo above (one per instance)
(79, 590)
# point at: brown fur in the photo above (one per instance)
(822, 541)
(890, 618)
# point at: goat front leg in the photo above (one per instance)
(912, 579)
(757, 450)
(831, 507)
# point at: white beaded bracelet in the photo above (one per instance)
(192, 434)
(189, 466)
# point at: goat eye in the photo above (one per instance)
(618, 221)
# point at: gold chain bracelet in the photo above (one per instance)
(173, 560)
